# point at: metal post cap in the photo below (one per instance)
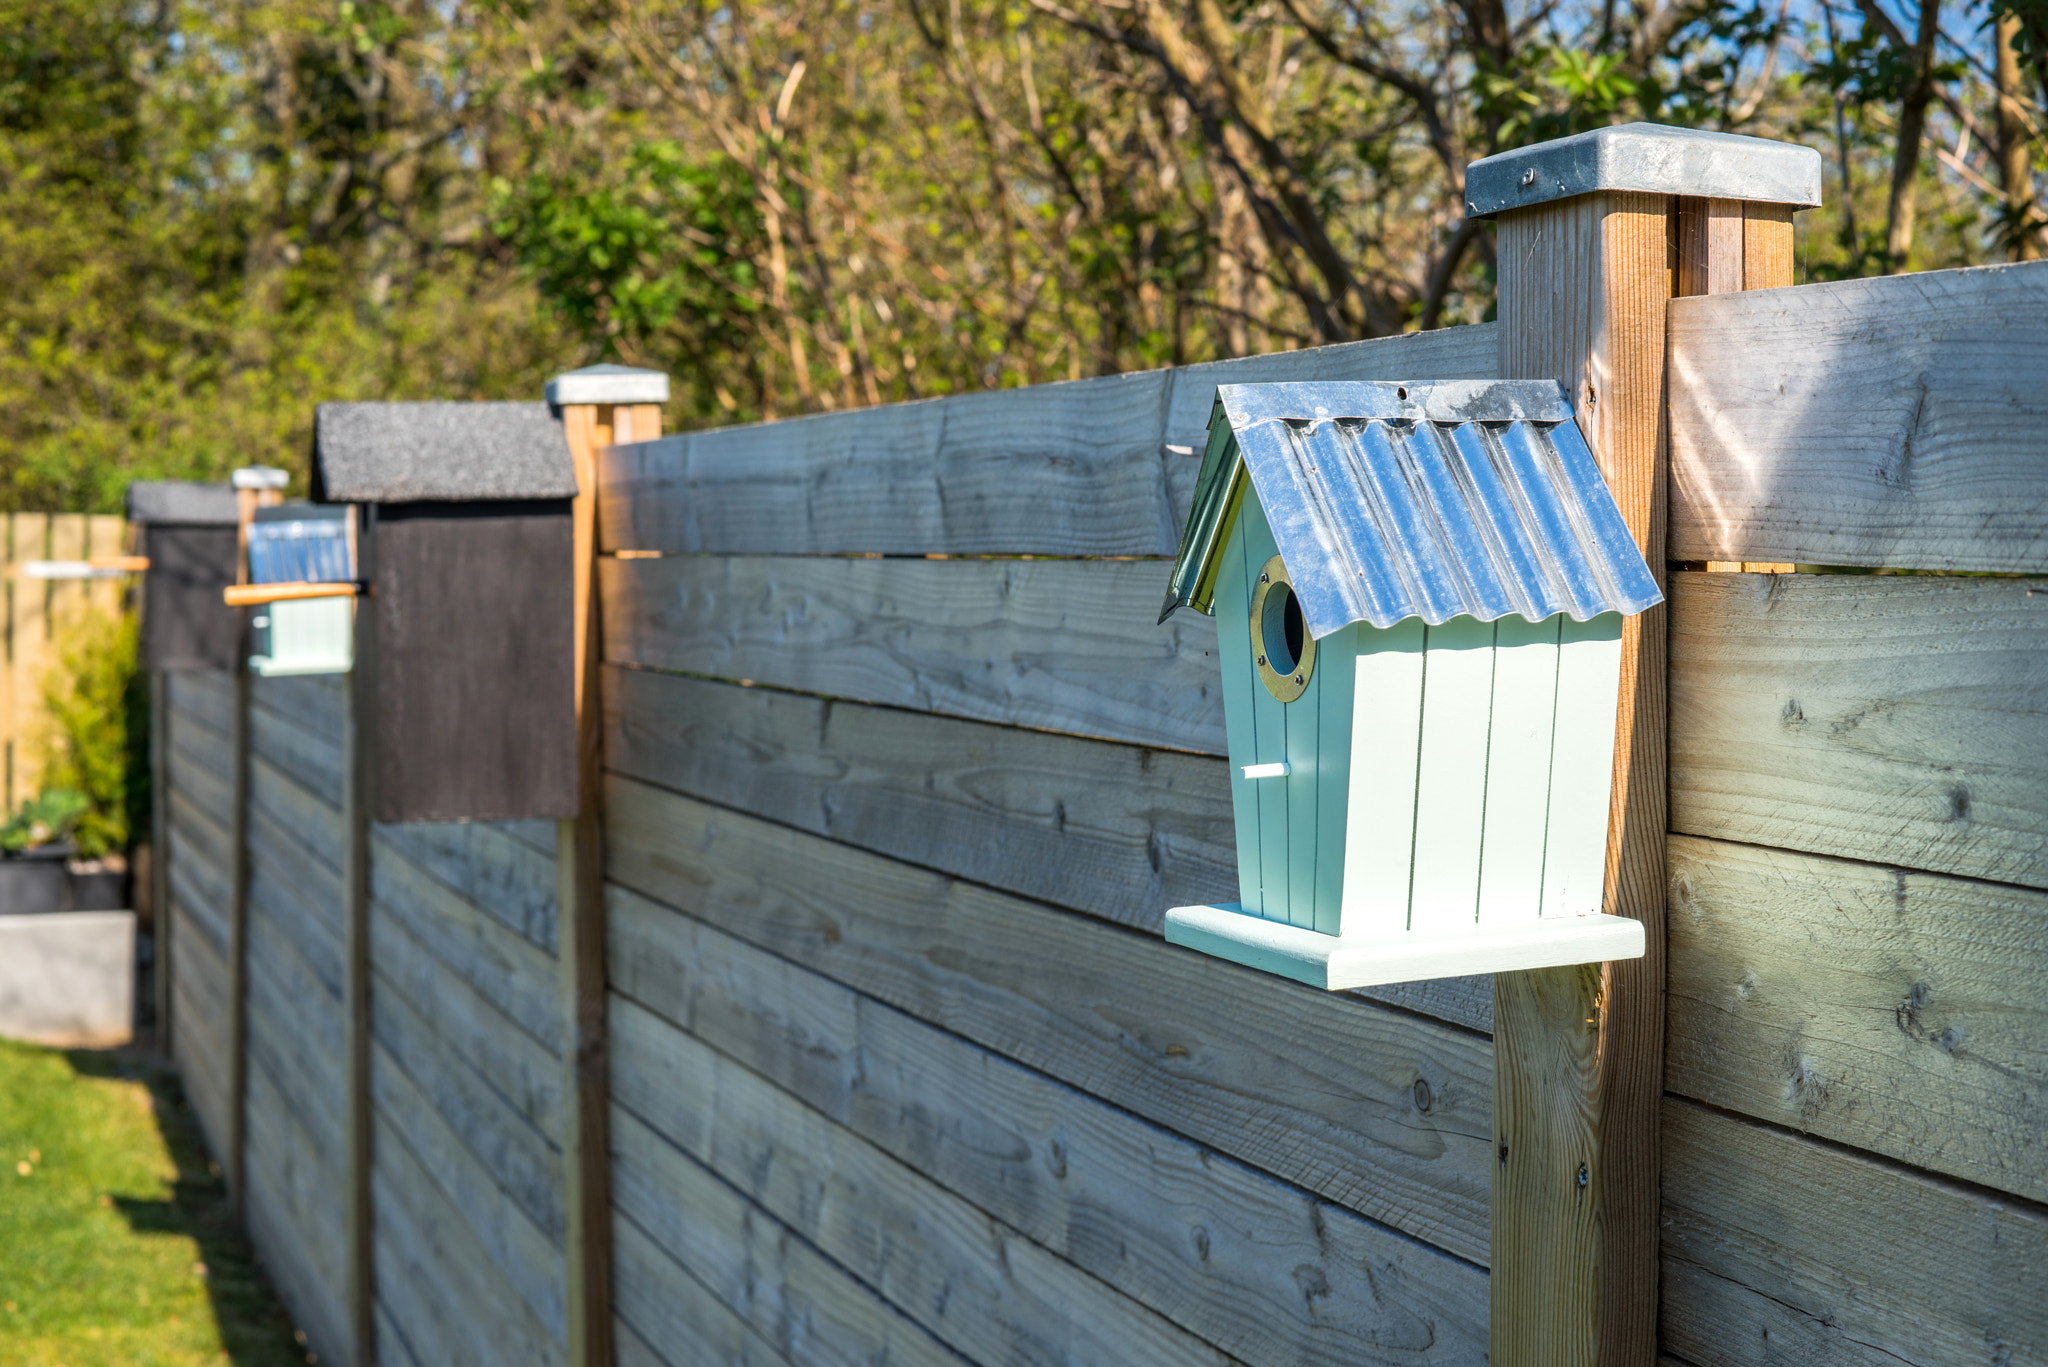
(1649, 158)
(608, 384)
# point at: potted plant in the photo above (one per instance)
(36, 844)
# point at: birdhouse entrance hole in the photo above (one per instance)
(1284, 651)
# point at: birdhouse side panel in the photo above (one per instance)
(1518, 759)
(1386, 734)
(1582, 765)
(1268, 732)
(475, 662)
(1335, 684)
(1450, 787)
(185, 625)
(1233, 611)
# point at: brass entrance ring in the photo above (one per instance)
(1281, 646)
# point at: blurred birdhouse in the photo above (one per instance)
(1419, 592)
(303, 544)
(464, 538)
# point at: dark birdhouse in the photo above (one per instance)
(188, 534)
(466, 542)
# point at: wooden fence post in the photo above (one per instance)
(1588, 251)
(255, 487)
(358, 768)
(600, 406)
(160, 850)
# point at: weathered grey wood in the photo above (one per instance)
(809, 1309)
(295, 1032)
(1894, 720)
(1217, 1248)
(973, 1283)
(518, 1252)
(201, 894)
(295, 1210)
(391, 1346)
(321, 830)
(461, 1309)
(1058, 645)
(1895, 421)
(315, 704)
(203, 698)
(1899, 1012)
(1778, 1250)
(463, 1027)
(204, 754)
(309, 760)
(506, 1140)
(1116, 831)
(1456, 353)
(1085, 468)
(301, 895)
(658, 1303)
(1317, 1089)
(501, 966)
(495, 871)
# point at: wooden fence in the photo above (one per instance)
(900, 777)
(37, 611)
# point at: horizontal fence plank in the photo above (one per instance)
(666, 1318)
(1081, 468)
(792, 1295)
(1318, 1089)
(302, 815)
(973, 1283)
(1896, 720)
(504, 1138)
(515, 976)
(295, 1033)
(300, 894)
(200, 755)
(1211, 1244)
(1115, 831)
(437, 1279)
(201, 892)
(316, 704)
(1903, 1013)
(294, 1210)
(202, 699)
(1896, 421)
(1058, 645)
(527, 1258)
(467, 1053)
(1777, 1249)
(494, 871)
(306, 758)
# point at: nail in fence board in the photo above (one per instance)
(475, 701)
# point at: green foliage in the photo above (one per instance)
(1552, 92)
(97, 717)
(52, 816)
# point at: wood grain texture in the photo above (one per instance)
(1087, 468)
(804, 1305)
(975, 1284)
(1057, 645)
(1898, 1012)
(658, 1303)
(295, 750)
(1894, 421)
(1211, 1244)
(1768, 260)
(487, 866)
(1584, 287)
(436, 1278)
(1898, 720)
(295, 1191)
(1319, 1090)
(1773, 1254)
(1116, 831)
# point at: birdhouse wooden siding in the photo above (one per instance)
(188, 535)
(467, 544)
(1419, 593)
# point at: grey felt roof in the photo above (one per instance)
(438, 452)
(181, 501)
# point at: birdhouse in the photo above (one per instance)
(310, 544)
(1418, 592)
(464, 538)
(186, 532)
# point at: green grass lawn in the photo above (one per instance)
(116, 1242)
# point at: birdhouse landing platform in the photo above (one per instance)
(1419, 591)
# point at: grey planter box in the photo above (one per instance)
(68, 978)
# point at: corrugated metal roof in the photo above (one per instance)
(438, 452)
(182, 502)
(1388, 501)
